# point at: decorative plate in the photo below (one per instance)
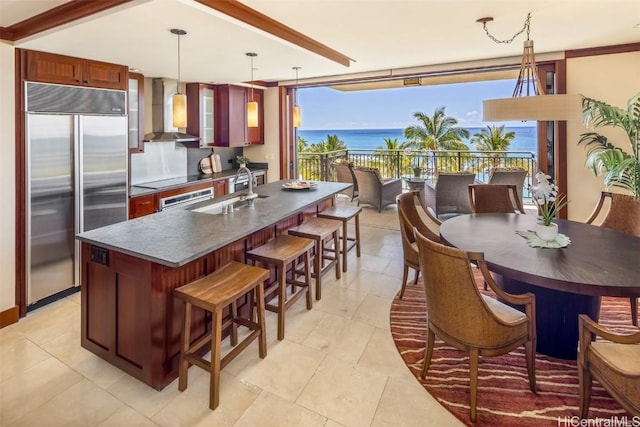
(299, 185)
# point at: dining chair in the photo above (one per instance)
(409, 219)
(615, 363)
(344, 173)
(467, 320)
(374, 190)
(495, 198)
(623, 215)
(449, 196)
(509, 175)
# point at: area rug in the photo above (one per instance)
(504, 398)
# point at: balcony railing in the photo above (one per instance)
(427, 163)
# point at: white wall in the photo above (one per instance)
(269, 152)
(7, 178)
(610, 78)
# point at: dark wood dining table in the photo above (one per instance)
(566, 281)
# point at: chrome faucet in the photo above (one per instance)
(250, 195)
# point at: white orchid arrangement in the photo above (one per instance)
(547, 198)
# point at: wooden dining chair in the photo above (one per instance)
(495, 198)
(409, 219)
(467, 320)
(509, 175)
(623, 215)
(614, 363)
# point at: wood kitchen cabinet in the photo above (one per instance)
(51, 68)
(231, 116)
(136, 112)
(200, 112)
(220, 188)
(142, 205)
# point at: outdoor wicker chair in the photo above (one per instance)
(449, 196)
(375, 191)
(344, 173)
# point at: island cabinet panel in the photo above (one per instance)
(141, 206)
(130, 316)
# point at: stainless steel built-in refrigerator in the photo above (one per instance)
(76, 178)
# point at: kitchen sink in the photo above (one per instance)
(235, 203)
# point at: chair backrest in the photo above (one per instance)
(452, 195)
(407, 208)
(344, 173)
(454, 303)
(515, 176)
(494, 198)
(623, 214)
(409, 250)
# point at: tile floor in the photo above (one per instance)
(337, 365)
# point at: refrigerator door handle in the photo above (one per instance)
(79, 202)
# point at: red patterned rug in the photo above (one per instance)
(504, 398)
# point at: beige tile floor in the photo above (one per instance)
(337, 365)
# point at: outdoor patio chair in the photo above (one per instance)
(514, 175)
(467, 320)
(615, 364)
(495, 198)
(449, 196)
(622, 216)
(374, 190)
(344, 173)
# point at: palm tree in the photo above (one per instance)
(437, 132)
(386, 158)
(333, 143)
(620, 169)
(493, 138)
(303, 146)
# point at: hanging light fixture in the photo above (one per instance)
(529, 101)
(179, 99)
(252, 106)
(297, 114)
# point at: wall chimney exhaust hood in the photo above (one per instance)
(161, 115)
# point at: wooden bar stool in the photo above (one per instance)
(280, 252)
(319, 230)
(213, 293)
(344, 214)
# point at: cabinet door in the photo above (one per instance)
(136, 109)
(255, 135)
(103, 74)
(237, 116)
(50, 68)
(206, 116)
(220, 188)
(141, 206)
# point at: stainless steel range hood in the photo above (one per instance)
(161, 111)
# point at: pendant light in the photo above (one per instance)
(297, 114)
(252, 106)
(529, 101)
(179, 99)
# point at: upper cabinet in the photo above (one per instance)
(136, 111)
(200, 112)
(51, 68)
(231, 117)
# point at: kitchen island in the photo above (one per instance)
(130, 269)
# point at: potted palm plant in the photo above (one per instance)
(619, 167)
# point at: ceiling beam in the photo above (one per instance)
(60, 15)
(252, 17)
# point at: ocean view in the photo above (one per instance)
(525, 139)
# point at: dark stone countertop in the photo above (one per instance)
(177, 236)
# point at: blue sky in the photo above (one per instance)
(326, 108)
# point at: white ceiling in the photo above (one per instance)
(376, 34)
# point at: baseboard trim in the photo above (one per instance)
(9, 316)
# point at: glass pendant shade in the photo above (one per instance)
(297, 116)
(179, 110)
(252, 114)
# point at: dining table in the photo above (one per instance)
(566, 281)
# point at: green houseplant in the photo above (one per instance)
(619, 167)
